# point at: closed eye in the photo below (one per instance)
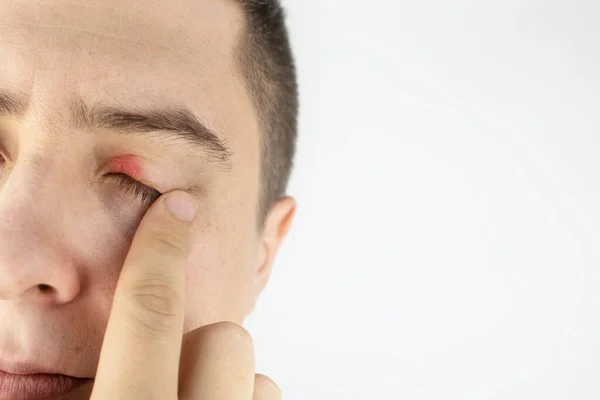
(138, 190)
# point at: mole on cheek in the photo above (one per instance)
(128, 165)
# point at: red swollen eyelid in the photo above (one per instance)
(128, 165)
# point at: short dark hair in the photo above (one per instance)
(266, 61)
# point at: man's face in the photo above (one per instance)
(83, 71)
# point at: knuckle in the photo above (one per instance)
(156, 296)
(154, 305)
(167, 243)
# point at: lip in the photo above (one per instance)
(30, 382)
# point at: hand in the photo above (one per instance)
(145, 354)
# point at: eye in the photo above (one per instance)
(138, 190)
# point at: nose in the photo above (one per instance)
(35, 260)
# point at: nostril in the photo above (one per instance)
(44, 288)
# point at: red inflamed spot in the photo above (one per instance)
(128, 165)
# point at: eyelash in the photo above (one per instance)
(144, 193)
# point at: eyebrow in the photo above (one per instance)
(175, 122)
(12, 104)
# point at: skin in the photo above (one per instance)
(66, 225)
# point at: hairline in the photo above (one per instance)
(242, 60)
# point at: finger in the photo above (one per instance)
(217, 363)
(265, 389)
(140, 354)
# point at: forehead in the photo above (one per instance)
(128, 52)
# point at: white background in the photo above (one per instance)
(446, 244)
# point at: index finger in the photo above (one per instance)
(141, 349)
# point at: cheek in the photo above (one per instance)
(107, 248)
(106, 257)
(218, 279)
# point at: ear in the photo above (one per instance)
(277, 226)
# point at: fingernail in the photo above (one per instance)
(182, 206)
